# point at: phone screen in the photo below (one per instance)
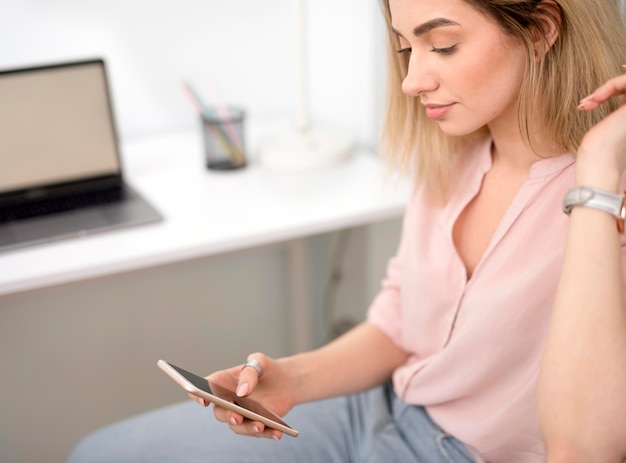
(228, 395)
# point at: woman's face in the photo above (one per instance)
(465, 70)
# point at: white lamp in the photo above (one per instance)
(303, 148)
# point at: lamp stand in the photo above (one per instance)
(303, 148)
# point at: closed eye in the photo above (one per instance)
(444, 51)
(404, 50)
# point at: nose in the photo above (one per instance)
(419, 78)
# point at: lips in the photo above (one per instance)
(436, 111)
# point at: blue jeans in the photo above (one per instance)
(372, 427)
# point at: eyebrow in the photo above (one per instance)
(429, 26)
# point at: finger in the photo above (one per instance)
(241, 425)
(250, 373)
(200, 400)
(256, 429)
(227, 416)
(613, 87)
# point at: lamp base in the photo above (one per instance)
(297, 151)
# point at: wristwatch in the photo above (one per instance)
(613, 203)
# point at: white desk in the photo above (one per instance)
(210, 212)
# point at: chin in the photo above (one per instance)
(457, 130)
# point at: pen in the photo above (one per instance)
(234, 152)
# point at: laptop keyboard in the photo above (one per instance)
(49, 206)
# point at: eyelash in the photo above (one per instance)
(441, 51)
(444, 51)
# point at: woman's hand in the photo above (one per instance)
(329, 371)
(271, 390)
(603, 149)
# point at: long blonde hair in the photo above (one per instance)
(589, 50)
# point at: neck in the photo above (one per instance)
(509, 150)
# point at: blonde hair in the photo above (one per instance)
(589, 50)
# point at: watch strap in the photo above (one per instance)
(595, 198)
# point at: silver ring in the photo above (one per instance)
(254, 364)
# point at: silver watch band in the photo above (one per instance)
(593, 197)
(606, 201)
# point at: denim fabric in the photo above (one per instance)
(373, 427)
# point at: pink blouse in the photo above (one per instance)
(476, 344)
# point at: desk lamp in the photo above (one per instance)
(303, 148)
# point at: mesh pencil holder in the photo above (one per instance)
(224, 140)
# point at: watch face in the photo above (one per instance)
(622, 215)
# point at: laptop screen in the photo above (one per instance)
(55, 126)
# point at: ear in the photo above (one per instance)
(549, 18)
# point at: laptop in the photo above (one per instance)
(60, 167)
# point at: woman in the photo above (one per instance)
(485, 109)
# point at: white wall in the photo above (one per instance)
(247, 47)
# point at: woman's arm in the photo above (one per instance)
(360, 359)
(582, 386)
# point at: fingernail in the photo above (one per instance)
(256, 428)
(582, 103)
(233, 420)
(276, 436)
(242, 389)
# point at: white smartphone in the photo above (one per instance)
(225, 398)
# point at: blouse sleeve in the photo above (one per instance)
(385, 311)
